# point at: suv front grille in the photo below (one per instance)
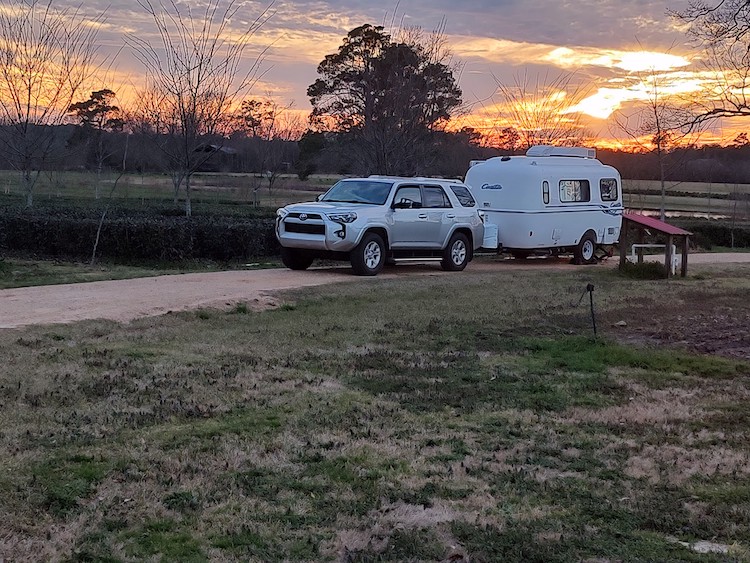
(307, 216)
(305, 228)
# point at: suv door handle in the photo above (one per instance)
(451, 216)
(422, 215)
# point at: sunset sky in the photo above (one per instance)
(605, 42)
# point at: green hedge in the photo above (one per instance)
(129, 236)
(707, 234)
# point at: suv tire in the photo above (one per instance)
(368, 258)
(295, 259)
(456, 254)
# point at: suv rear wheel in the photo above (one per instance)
(368, 258)
(456, 254)
(296, 259)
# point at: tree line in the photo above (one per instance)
(385, 102)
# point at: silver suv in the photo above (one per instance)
(369, 221)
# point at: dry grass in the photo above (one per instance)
(421, 418)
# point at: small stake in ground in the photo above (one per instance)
(590, 290)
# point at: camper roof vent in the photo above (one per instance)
(547, 150)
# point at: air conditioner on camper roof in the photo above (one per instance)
(546, 150)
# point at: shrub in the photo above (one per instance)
(130, 236)
(644, 270)
(709, 233)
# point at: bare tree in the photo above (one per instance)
(659, 123)
(537, 109)
(47, 57)
(272, 127)
(99, 227)
(723, 30)
(194, 77)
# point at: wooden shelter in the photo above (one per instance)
(635, 226)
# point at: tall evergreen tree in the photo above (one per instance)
(384, 99)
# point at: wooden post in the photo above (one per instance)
(624, 242)
(685, 245)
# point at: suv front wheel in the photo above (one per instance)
(368, 257)
(456, 254)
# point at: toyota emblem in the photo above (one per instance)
(303, 216)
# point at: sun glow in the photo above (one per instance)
(629, 61)
(603, 103)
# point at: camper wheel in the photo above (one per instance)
(585, 252)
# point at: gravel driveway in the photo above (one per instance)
(125, 300)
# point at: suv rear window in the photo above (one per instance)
(464, 196)
(434, 196)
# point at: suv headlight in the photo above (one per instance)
(342, 217)
(281, 213)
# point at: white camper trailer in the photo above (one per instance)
(553, 200)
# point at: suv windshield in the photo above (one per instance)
(359, 191)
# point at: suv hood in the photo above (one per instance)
(326, 207)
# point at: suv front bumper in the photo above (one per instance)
(316, 232)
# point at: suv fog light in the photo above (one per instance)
(340, 234)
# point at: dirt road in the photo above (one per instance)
(125, 300)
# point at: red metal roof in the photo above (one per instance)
(654, 223)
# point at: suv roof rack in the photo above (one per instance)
(386, 177)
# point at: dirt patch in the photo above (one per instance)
(712, 324)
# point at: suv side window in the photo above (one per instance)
(410, 195)
(464, 196)
(434, 196)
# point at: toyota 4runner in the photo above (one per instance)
(369, 221)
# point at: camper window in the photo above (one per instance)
(545, 191)
(574, 190)
(434, 196)
(608, 189)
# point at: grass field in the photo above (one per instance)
(426, 418)
(206, 187)
(689, 198)
(714, 189)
